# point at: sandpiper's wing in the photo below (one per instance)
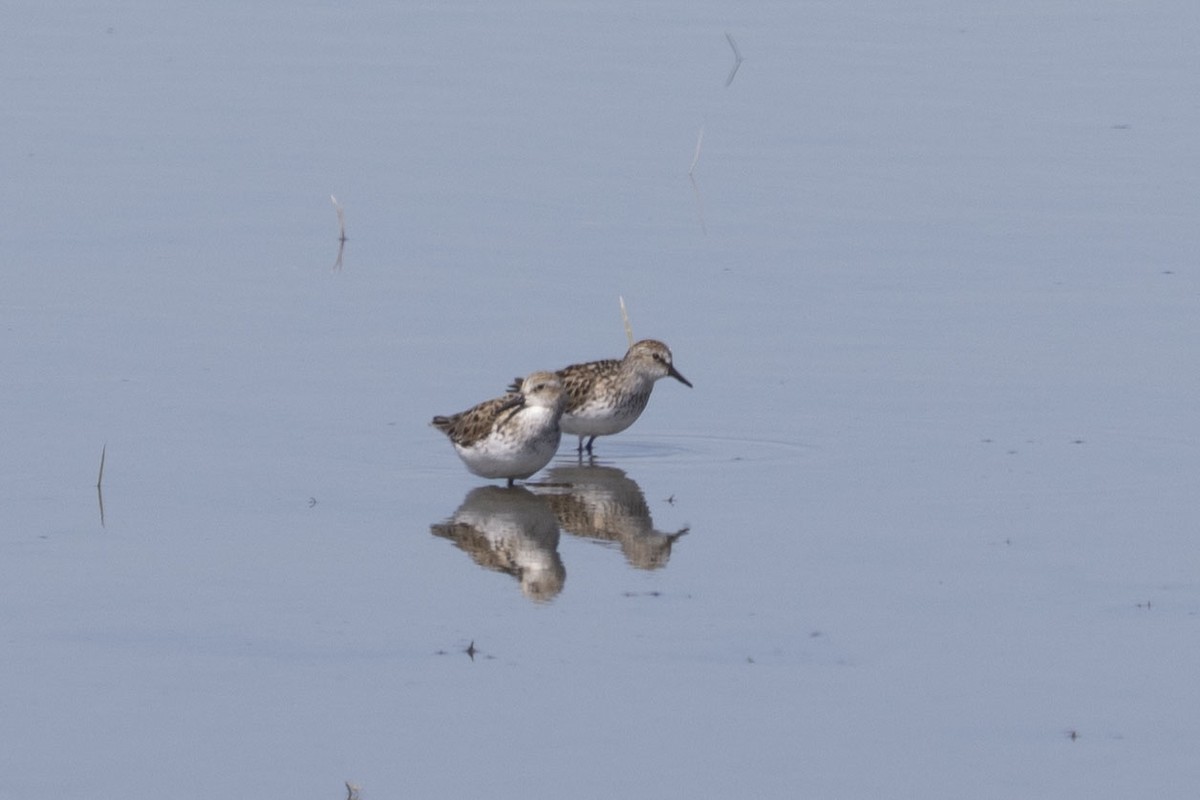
(579, 379)
(467, 427)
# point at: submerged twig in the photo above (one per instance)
(99, 483)
(341, 217)
(737, 58)
(100, 477)
(696, 155)
(625, 319)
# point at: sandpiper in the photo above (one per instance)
(511, 436)
(606, 397)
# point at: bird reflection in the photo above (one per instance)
(603, 503)
(510, 530)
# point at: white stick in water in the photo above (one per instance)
(625, 319)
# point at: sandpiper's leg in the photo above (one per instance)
(589, 444)
(510, 483)
(580, 448)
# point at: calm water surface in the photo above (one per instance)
(924, 526)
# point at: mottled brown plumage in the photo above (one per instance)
(468, 427)
(607, 396)
(511, 436)
(511, 531)
(605, 504)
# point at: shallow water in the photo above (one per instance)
(924, 526)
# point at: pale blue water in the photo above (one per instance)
(935, 284)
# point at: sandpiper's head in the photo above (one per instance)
(543, 389)
(653, 358)
(543, 582)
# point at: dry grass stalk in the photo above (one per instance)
(625, 319)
